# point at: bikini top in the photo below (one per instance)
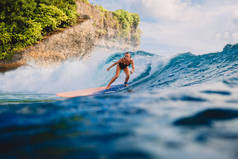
(123, 65)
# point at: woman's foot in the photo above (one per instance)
(108, 87)
(125, 85)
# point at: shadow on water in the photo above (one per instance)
(207, 117)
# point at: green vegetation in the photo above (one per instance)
(103, 10)
(84, 1)
(128, 22)
(24, 22)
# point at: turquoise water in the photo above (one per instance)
(179, 107)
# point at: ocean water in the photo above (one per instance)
(179, 107)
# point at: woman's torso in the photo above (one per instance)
(124, 63)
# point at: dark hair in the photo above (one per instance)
(127, 53)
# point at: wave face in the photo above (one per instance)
(183, 70)
(172, 107)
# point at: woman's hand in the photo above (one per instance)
(132, 72)
(108, 68)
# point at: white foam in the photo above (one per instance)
(71, 75)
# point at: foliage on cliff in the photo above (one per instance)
(24, 22)
(125, 21)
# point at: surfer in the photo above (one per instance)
(122, 64)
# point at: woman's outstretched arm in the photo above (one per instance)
(113, 65)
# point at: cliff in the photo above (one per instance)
(94, 27)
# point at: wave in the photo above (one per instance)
(152, 71)
(173, 119)
(188, 69)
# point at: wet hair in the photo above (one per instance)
(127, 53)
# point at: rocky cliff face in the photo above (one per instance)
(95, 28)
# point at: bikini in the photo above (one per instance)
(123, 65)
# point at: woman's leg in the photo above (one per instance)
(115, 77)
(127, 72)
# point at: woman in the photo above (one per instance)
(122, 64)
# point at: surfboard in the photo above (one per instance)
(91, 91)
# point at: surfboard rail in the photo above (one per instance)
(83, 92)
(91, 91)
